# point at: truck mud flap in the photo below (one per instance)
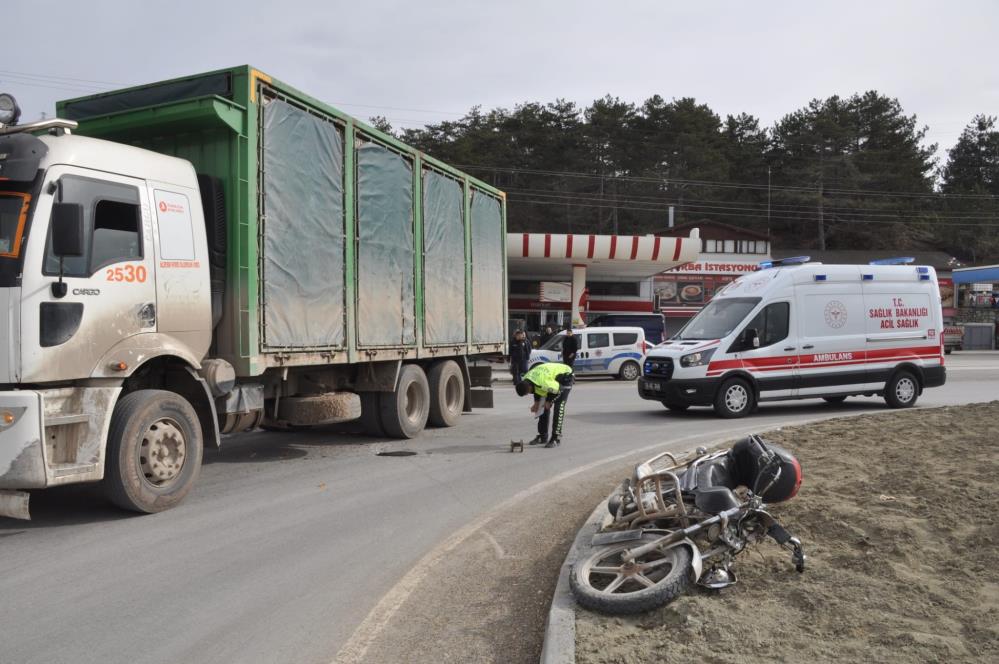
(481, 398)
(14, 504)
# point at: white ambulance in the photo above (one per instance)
(798, 330)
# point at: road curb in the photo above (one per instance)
(560, 633)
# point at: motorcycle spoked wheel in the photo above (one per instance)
(604, 582)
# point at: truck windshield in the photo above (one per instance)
(718, 319)
(13, 214)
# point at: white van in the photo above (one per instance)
(614, 351)
(797, 330)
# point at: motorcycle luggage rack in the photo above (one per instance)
(648, 479)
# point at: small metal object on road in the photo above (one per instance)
(516, 445)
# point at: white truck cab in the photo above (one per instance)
(797, 330)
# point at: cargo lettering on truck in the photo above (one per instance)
(898, 316)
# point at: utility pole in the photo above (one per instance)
(768, 203)
(822, 225)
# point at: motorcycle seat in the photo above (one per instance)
(715, 499)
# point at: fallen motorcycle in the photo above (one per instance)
(685, 523)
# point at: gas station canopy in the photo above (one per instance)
(553, 256)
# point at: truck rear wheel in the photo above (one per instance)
(447, 393)
(371, 416)
(405, 411)
(154, 451)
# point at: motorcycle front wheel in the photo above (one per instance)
(603, 582)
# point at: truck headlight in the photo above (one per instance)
(697, 359)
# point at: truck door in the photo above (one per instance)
(110, 294)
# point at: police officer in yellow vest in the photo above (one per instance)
(550, 383)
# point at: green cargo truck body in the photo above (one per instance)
(275, 262)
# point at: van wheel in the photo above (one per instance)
(679, 407)
(154, 451)
(734, 399)
(834, 399)
(405, 411)
(947, 351)
(629, 371)
(447, 393)
(902, 390)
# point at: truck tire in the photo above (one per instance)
(902, 390)
(629, 371)
(405, 411)
(735, 399)
(447, 393)
(154, 451)
(947, 350)
(371, 416)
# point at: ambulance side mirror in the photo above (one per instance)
(751, 338)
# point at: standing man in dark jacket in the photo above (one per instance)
(570, 344)
(520, 353)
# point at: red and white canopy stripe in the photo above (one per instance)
(629, 253)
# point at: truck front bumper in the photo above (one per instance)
(22, 454)
(689, 392)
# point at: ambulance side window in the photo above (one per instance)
(772, 323)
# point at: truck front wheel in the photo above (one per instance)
(154, 451)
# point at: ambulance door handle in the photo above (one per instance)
(807, 346)
(789, 348)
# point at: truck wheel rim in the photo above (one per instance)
(162, 453)
(630, 371)
(736, 398)
(452, 394)
(905, 389)
(414, 402)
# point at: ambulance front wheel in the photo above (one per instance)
(735, 398)
(902, 390)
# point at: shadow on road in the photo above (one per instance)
(66, 506)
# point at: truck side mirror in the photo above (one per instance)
(67, 229)
(67, 238)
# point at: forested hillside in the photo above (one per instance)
(838, 173)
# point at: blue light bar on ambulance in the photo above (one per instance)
(901, 260)
(867, 277)
(922, 270)
(793, 260)
(820, 277)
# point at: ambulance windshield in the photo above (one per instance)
(718, 319)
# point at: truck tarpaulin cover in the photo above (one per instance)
(487, 269)
(443, 263)
(303, 233)
(385, 255)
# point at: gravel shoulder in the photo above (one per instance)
(898, 515)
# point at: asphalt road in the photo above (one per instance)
(308, 547)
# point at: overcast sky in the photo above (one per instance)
(422, 61)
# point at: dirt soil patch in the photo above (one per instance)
(898, 515)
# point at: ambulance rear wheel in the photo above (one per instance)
(902, 390)
(735, 399)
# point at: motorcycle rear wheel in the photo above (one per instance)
(604, 583)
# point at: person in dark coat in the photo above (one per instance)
(547, 334)
(570, 344)
(520, 353)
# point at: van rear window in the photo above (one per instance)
(625, 338)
